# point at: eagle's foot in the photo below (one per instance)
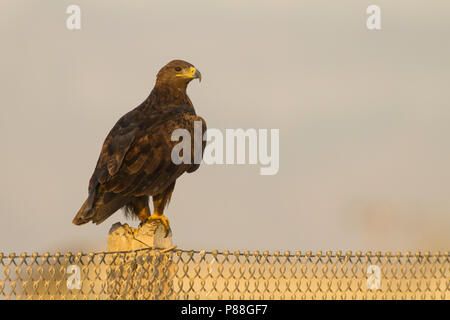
(164, 221)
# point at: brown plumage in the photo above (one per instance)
(135, 161)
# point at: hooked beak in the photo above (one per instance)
(192, 73)
(198, 75)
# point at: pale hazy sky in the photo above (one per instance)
(363, 116)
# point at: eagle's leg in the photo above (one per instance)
(138, 206)
(141, 208)
(158, 214)
(144, 213)
(160, 201)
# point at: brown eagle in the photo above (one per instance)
(135, 161)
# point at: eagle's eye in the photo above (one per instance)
(178, 69)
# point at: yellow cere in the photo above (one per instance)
(189, 74)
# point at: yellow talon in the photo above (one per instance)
(164, 221)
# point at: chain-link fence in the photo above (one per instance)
(181, 274)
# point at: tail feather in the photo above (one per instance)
(80, 217)
(103, 212)
(85, 213)
(100, 210)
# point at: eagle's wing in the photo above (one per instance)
(203, 143)
(111, 157)
(136, 159)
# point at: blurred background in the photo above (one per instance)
(363, 117)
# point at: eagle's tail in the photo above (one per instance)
(99, 210)
(86, 211)
(79, 218)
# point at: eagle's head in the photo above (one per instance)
(178, 73)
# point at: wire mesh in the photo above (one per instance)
(182, 274)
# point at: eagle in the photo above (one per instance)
(135, 162)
